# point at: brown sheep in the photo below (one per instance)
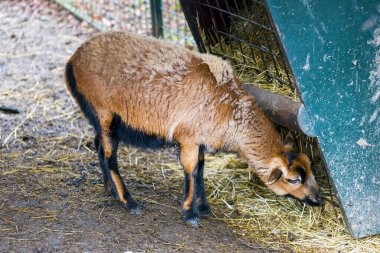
(148, 92)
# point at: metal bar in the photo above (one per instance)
(217, 26)
(279, 109)
(262, 49)
(191, 20)
(157, 19)
(244, 30)
(235, 15)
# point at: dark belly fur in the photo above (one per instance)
(136, 138)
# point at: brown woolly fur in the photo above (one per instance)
(146, 92)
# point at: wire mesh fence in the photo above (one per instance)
(149, 17)
(175, 26)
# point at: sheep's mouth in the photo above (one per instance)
(306, 200)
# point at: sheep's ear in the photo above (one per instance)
(221, 70)
(274, 176)
(289, 141)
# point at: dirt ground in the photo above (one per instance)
(51, 195)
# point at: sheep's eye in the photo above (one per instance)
(293, 181)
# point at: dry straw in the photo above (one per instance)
(254, 212)
(278, 222)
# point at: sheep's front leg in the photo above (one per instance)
(189, 161)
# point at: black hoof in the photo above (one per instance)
(136, 210)
(133, 208)
(194, 222)
(112, 193)
(206, 215)
(204, 210)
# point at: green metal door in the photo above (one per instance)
(334, 50)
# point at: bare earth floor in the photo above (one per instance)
(51, 196)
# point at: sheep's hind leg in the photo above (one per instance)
(102, 161)
(109, 145)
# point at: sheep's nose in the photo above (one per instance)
(319, 199)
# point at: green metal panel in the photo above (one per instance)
(334, 51)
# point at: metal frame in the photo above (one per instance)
(157, 19)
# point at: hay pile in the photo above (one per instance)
(277, 222)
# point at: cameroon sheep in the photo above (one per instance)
(147, 92)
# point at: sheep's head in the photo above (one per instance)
(290, 175)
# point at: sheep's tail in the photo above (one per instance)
(86, 107)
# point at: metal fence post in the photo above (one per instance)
(188, 11)
(157, 19)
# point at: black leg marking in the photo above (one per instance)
(97, 141)
(117, 183)
(192, 213)
(202, 203)
(106, 178)
(189, 160)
